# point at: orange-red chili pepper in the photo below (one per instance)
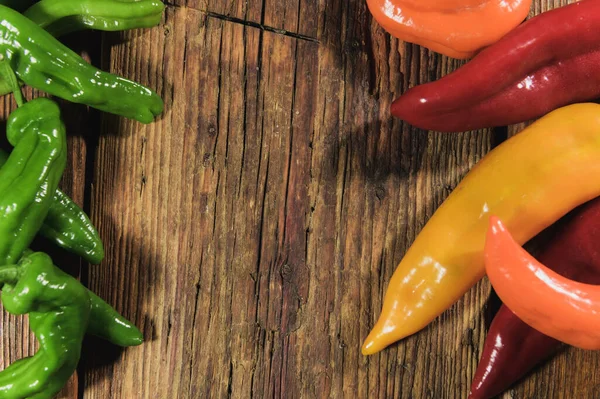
(552, 304)
(456, 28)
(512, 348)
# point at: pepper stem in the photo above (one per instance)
(7, 74)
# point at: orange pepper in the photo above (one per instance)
(552, 304)
(456, 28)
(531, 180)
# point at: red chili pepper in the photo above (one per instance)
(512, 348)
(552, 304)
(547, 62)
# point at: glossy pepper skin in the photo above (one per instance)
(512, 348)
(30, 175)
(534, 69)
(108, 15)
(41, 61)
(59, 310)
(456, 28)
(531, 180)
(106, 323)
(69, 227)
(60, 17)
(561, 308)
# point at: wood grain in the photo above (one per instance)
(252, 230)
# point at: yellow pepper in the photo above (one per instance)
(529, 181)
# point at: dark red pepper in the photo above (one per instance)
(549, 61)
(512, 348)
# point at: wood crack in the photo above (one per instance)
(250, 24)
(257, 25)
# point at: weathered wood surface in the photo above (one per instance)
(251, 232)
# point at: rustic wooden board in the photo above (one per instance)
(251, 232)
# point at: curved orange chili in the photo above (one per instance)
(456, 28)
(552, 304)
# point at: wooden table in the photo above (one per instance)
(251, 232)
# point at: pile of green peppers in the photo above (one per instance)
(61, 310)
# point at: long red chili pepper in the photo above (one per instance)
(512, 348)
(552, 304)
(547, 62)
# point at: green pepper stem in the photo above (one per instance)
(7, 74)
(19, 97)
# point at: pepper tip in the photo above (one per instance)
(368, 347)
(378, 339)
(395, 108)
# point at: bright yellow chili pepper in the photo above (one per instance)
(529, 181)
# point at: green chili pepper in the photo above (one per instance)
(30, 175)
(41, 61)
(68, 226)
(108, 324)
(60, 310)
(60, 17)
